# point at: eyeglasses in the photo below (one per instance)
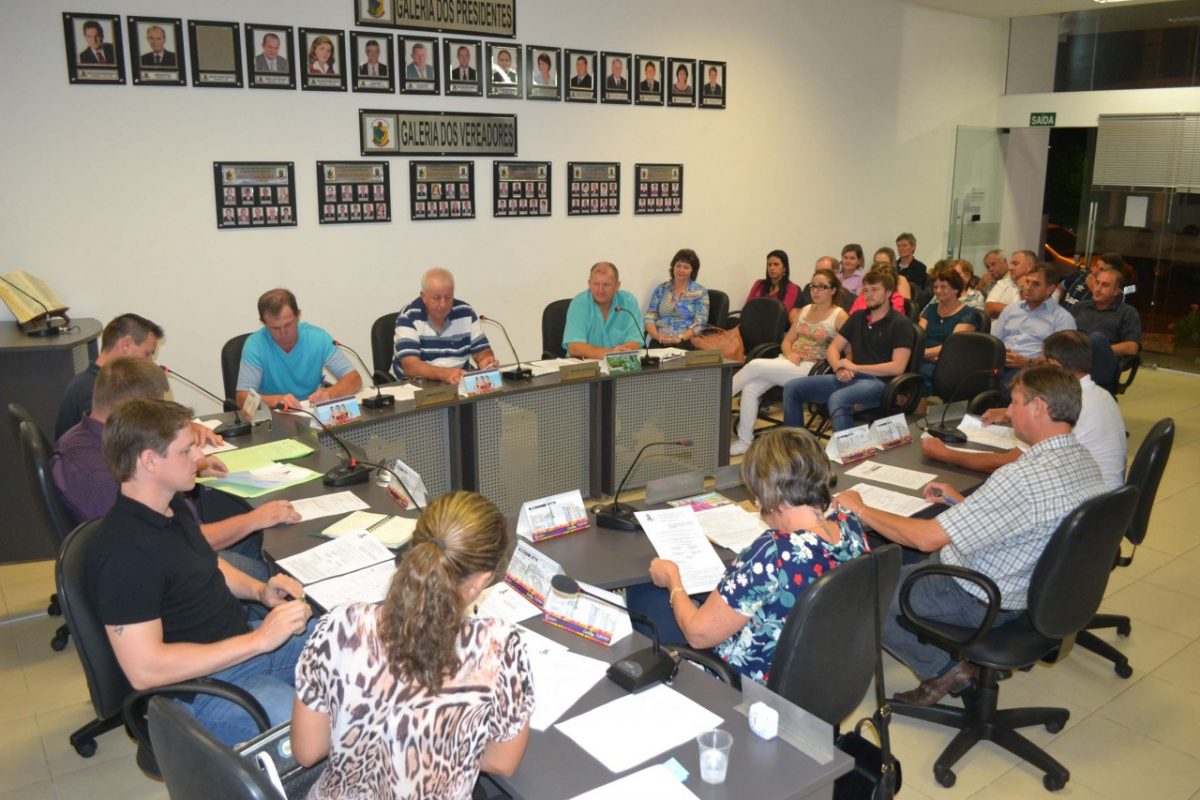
(821, 286)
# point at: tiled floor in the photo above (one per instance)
(1126, 738)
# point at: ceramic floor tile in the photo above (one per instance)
(1159, 710)
(56, 683)
(918, 744)
(1120, 762)
(28, 596)
(1145, 560)
(17, 702)
(43, 790)
(33, 641)
(56, 727)
(1182, 669)
(9, 655)
(1024, 781)
(1170, 539)
(1180, 575)
(22, 761)
(119, 779)
(1150, 603)
(1172, 485)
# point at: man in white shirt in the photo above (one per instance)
(1003, 291)
(1100, 428)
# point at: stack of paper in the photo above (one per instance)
(352, 568)
(256, 482)
(731, 527)
(550, 366)
(1000, 436)
(886, 500)
(677, 536)
(391, 531)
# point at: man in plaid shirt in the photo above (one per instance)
(999, 531)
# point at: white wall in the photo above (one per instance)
(840, 128)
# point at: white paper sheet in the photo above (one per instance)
(886, 500)
(652, 782)
(326, 505)
(539, 645)
(368, 585)
(500, 601)
(550, 366)
(677, 536)
(666, 353)
(1000, 436)
(730, 526)
(885, 473)
(343, 555)
(213, 449)
(559, 680)
(637, 727)
(394, 531)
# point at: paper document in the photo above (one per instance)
(1000, 436)
(248, 458)
(368, 585)
(500, 601)
(326, 505)
(886, 500)
(897, 476)
(357, 521)
(666, 353)
(261, 480)
(677, 536)
(656, 781)
(637, 727)
(539, 645)
(550, 366)
(559, 680)
(340, 556)
(224, 447)
(731, 527)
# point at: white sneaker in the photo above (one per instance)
(738, 448)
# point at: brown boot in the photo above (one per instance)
(931, 690)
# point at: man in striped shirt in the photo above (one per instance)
(437, 334)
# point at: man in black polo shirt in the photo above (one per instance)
(169, 605)
(1114, 327)
(873, 345)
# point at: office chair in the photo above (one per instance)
(383, 347)
(554, 322)
(107, 684)
(762, 323)
(912, 311)
(1145, 473)
(35, 457)
(1126, 364)
(718, 308)
(969, 368)
(1064, 592)
(983, 323)
(231, 360)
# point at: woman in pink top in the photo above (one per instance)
(898, 297)
(777, 282)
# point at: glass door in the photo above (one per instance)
(977, 194)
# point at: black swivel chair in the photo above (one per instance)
(718, 308)
(383, 347)
(35, 457)
(983, 323)
(554, 322)
(107, 685)
(231, 359)
(762, 323)
(1145, 473)
(1064, 592)
(969, 368)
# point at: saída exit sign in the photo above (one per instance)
(1043, 120)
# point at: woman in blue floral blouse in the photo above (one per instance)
(788, 473)
(678, 308)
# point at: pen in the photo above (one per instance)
(941, 494)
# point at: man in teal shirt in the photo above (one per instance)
(603, 319)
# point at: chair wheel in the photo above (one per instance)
(1123, 629)
(59, 642)
(1054, 727)
(1123, 670)
(1053, 782)
(945, 777)
(85, 748)
(54, 609)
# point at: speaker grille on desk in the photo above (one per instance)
(420, 439)
(665, 406)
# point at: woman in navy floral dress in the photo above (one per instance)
(787, 471)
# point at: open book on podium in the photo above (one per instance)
(32, 302)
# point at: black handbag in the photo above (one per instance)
(876, 774)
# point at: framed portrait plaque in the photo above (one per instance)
(615, 88)
(658, 189)
(270, 57)
(649, 80)
(156, 51)
(374, 57)
(681, 82)
(462, 66)
(593, 188)
(95, 53)
(441, 190)
(422, 58)
(216, 54)
(505, 76)
(521, 189)
(544, 68)
(711, 76)
(581, 86)
(353, 191)
(325, 62)
(255, 194)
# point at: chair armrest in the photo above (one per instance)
(934, 636)
(1128, 364)
(134, 708)
(710, 662)
(821, 368)
(908, 384)
(764, 350)
(987, 399)
(732, 318)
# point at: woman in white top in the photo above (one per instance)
(805, 344)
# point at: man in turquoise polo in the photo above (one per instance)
(604, 318)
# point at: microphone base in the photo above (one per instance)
(518, 374)
(347, 475)
(617, 517)
(947, 435)
(651, 361)
(379, 401)
(232, 430)
(642, 669)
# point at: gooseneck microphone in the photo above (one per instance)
(637, 670)
(517, 373)
(619, 517)
(226, 430)
(950, 435)
(647, 359)
(47, 327)
(380, 400)
(348, 474)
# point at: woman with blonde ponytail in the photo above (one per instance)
(410, 698)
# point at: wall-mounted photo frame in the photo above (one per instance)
(255, 194)
(658, 189)
(681, 82)
(270, 57)
(375, 62)
(649, 81)
(94, 50)
(521, 189)
(441, 190)
(460, 58)
(616, 87)
(156, 51)
(581, 86)
(505, 76)
(593, 188)
(422, 59)
(325, 60)
(216, 54)
(544, 72)
(353, 191)
(712, 77)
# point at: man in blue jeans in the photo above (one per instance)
(873, 346)
(170, 607)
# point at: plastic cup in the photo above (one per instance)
(714, 755)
